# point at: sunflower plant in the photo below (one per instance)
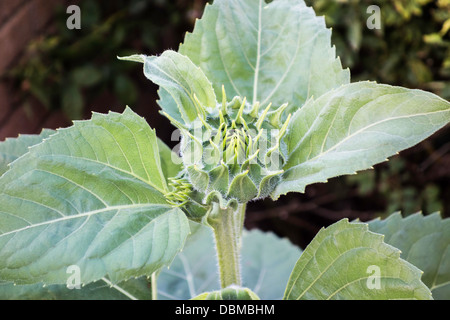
(262, 107)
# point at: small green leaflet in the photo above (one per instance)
(355, 127)
(12, 148)
(278, 52)
(91, 195)
(184, 89)
(424, 242)
(229, 293)
(346, 261)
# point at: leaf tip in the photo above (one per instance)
(135, 58)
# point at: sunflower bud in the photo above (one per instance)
(234, 153)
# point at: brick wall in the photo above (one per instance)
(21, 21)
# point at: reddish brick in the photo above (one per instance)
(7, 7)
(22, 27)
(24, 119)
(103, 103)
(5, 101)
(56, 119)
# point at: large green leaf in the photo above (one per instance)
(132, 289)
(90, 195)
(184, 89)
(278, 52)
(424, 242)
(266, 263)
(12, 148)
(345, 261)
(355, 127)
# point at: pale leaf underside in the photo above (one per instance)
(194, 270)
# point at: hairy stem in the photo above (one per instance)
(154, 286)
(228, 224)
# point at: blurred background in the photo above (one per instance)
(50, 75)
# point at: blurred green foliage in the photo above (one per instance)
(412, 47)
(396, 186)
(69, 68)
